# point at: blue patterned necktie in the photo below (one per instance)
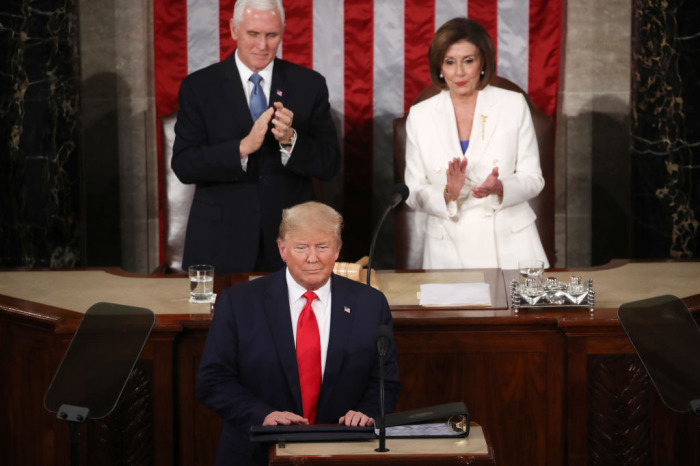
(257, 97)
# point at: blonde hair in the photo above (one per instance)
(312, 213)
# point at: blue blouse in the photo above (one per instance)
(464, 145)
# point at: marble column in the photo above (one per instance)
(666, 128)
(592, 168)
(39, 122)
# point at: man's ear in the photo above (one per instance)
(283, 250)
(234, 31)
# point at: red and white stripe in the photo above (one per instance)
(373, 54)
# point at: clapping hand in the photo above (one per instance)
(256, 137)
(456, 176)
(492, 185)
(282, 123)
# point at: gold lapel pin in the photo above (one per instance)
(483, 125)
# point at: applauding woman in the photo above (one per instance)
(472, 161)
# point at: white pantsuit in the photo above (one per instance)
(471, 232)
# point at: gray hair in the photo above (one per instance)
(312, 213)
(260, 5)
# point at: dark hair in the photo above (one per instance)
(453, 31)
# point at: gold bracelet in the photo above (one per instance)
(447, 195)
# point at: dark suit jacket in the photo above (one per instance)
(249, 369)
(232, 207)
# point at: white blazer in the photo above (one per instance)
(471, 232)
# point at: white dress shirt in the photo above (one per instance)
(322, 311)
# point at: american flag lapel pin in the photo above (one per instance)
(347, 310)
(279, 92)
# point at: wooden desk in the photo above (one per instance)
(552, 387)
(474, 450)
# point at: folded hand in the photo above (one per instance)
(283, 418)
(356, 418)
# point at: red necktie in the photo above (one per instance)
(309, 358)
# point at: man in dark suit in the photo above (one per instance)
(257, 367)
(250, 159)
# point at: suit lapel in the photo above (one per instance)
(342, 304)
(486, 116)
(277, 86)
(234, 96)
(445, 130)
(276, 308)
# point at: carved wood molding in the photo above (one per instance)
(125, 437)
(618, 411)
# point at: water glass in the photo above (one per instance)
(201, 283)
(531, 268)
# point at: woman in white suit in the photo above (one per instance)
(472, 161)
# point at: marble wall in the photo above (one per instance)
(40, 221)
(665, 109)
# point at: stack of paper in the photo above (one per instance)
(455, 294)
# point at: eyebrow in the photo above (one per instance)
(465, 56)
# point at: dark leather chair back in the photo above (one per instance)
(406, 255)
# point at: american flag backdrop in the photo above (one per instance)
(373, 54)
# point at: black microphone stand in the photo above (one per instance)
(382, 427)
(400, 193)
(374, 242)
(383, 340)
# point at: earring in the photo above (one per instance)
(482, 72)
(441, 76)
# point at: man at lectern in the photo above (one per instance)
(297, 346)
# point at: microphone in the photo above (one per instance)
(399, 193)
(383, 339)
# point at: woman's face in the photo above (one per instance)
(461, 68)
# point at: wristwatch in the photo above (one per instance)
(292, 140)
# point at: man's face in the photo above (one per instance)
(258, 37)
(310, 255)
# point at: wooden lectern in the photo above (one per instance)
(474, 450)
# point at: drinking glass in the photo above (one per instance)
(201, 283)
(531, 268)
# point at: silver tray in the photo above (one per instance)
(546, 298)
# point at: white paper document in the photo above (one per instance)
(419, 430)
(455, 294)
